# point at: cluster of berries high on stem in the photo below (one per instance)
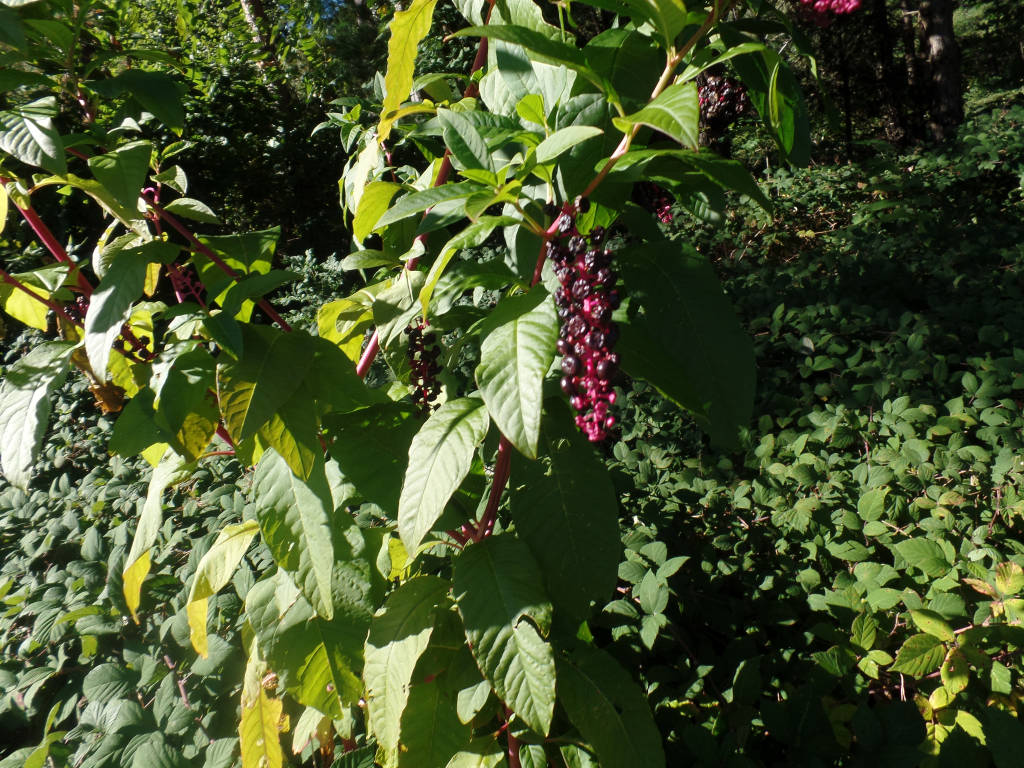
(822, 13)
(586, 299)
(423, 354)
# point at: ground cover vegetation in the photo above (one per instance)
(477, 473)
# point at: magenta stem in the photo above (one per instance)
(209, 253)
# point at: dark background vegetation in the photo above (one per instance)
(884, 296)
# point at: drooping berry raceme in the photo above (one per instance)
(423, 354)
(586, 299)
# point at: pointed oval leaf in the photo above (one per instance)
(514, 357)
(408, 28)
(123, 171)
(399, 634)
(506, 612)
(609, 710)
(567, 513)
(439, 459)
(563, 140)
(213, 572)
(110, 304)
(675, 112)
(25, 406)
(467, 146)
(295, 518)
(251, 390)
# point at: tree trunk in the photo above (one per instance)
(946, 108)
(915, 103)
(892, 85)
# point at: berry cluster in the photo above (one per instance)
(76, 310)
(585, 300)
(822, 13)
(653, 198)
(837, 7)
(132, 345)
(722, 101)
(422, 354)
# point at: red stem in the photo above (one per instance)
(501, 472)
(363, 366)
(513, 743)
(54, 247)
(222, 433)
(208, 253)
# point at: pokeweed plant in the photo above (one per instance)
(439, 540)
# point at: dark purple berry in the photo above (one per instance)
(583, 205)
(563, 347)
(570, 365)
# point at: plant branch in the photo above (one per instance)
(223, 265)
(52, 244)
(674, 59)
(501, 472)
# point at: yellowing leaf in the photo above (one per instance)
(134, 575)
(258, 732)
(213, 572)
(152, 277)
(407, 29)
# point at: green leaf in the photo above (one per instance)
(864, 631)
(431, 730)
(919, 655)
(567, 513)
(292, 432)
(295, 518)
(399, 634)
(371, 447)
(544, 48)
(675, 112)
(186, 415)
(609, 710)
(470, 237)
(706, 364)
(563, 140)
(110, 305)
(925, 555)
(213, 572)
(192, 209)
(319, 659)
(955, 671)
(123, 171)
(933, 624)
(531, 109)
(468, 148)
(514, 357)
(28, 135)
(272, 367)
(507, 614)
(417, 202)
(25, 404)
(108, 682)
(408, 28)
(871, 506)
(439, 459)
(374, 202)
(157, 93)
